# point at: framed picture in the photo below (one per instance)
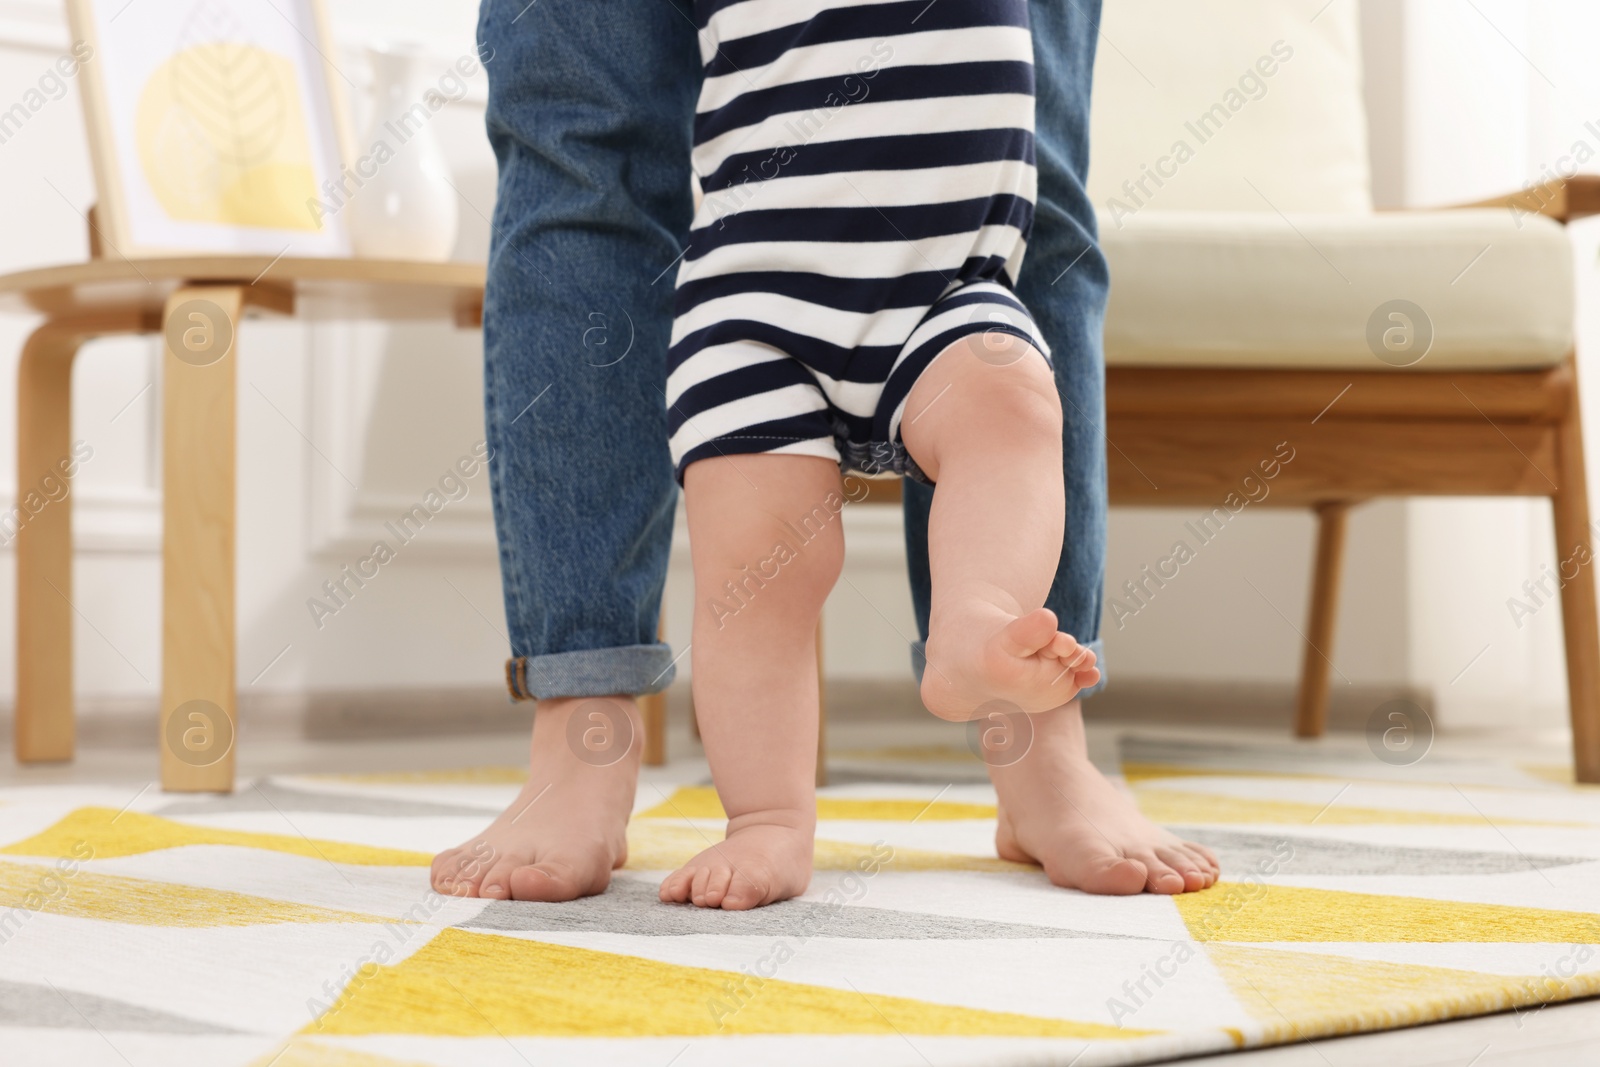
(215, 126)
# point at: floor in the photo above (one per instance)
(1557, 1034)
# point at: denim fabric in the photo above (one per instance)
(1064, 283)
(590, 104)
(590, 107)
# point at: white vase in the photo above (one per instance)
(405, 207)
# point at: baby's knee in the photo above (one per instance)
(795, 563)
(812, 557)
(1015, 387)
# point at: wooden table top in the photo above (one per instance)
(322, 288)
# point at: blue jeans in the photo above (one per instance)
(590, 106)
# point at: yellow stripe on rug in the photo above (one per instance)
(1133, 772)
(701, 802)
(1327, 995)
(653, 846)
(110, 834)
(1172, 806)
(465, 984)
(298, 1052)
(1232, 911)
(138, 901)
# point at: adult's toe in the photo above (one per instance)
(1195, 877)
(1101, 871)
(496, 884)
(553, 881)
(1160, 878)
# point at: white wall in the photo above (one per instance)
(1496, 93)
(1457, 113)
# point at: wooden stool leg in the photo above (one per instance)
(199, 719)
(45, 460)
(822, 713)
(1311, 712)
(1578, 609)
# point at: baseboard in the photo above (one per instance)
(1233, 704)
(411, 713)
(330, 715)
(1243, 704)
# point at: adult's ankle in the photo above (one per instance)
(598, 731)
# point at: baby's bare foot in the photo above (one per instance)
(1059, 811)
(765, 858)
(983, 654)
(568, 828)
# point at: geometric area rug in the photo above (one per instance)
(291, 923)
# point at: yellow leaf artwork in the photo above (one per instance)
(222, 132)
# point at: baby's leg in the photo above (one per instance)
(765, 534)
(984, 422)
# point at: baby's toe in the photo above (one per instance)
(743, 893)
(675, 887)
(1063, 647)
(1029, 634)
(717, 887)
(697, 887)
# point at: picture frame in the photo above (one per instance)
(214, 126)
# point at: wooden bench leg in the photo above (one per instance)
(1574, 547)
(1311, 706)
(199, 718)
(653, 711)
(44, 723)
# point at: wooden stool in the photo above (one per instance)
(197, 302)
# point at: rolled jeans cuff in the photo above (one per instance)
(631, 669)
(919, 665)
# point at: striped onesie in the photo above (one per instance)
(868, 177)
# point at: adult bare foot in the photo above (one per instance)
(1059, 811)
(568, 828)
(978, 652)
(765, 858)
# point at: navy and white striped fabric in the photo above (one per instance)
(868, 177)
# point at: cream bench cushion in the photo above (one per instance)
(1246, 289)
(1229, 105)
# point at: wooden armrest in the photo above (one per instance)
(1563, 199)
